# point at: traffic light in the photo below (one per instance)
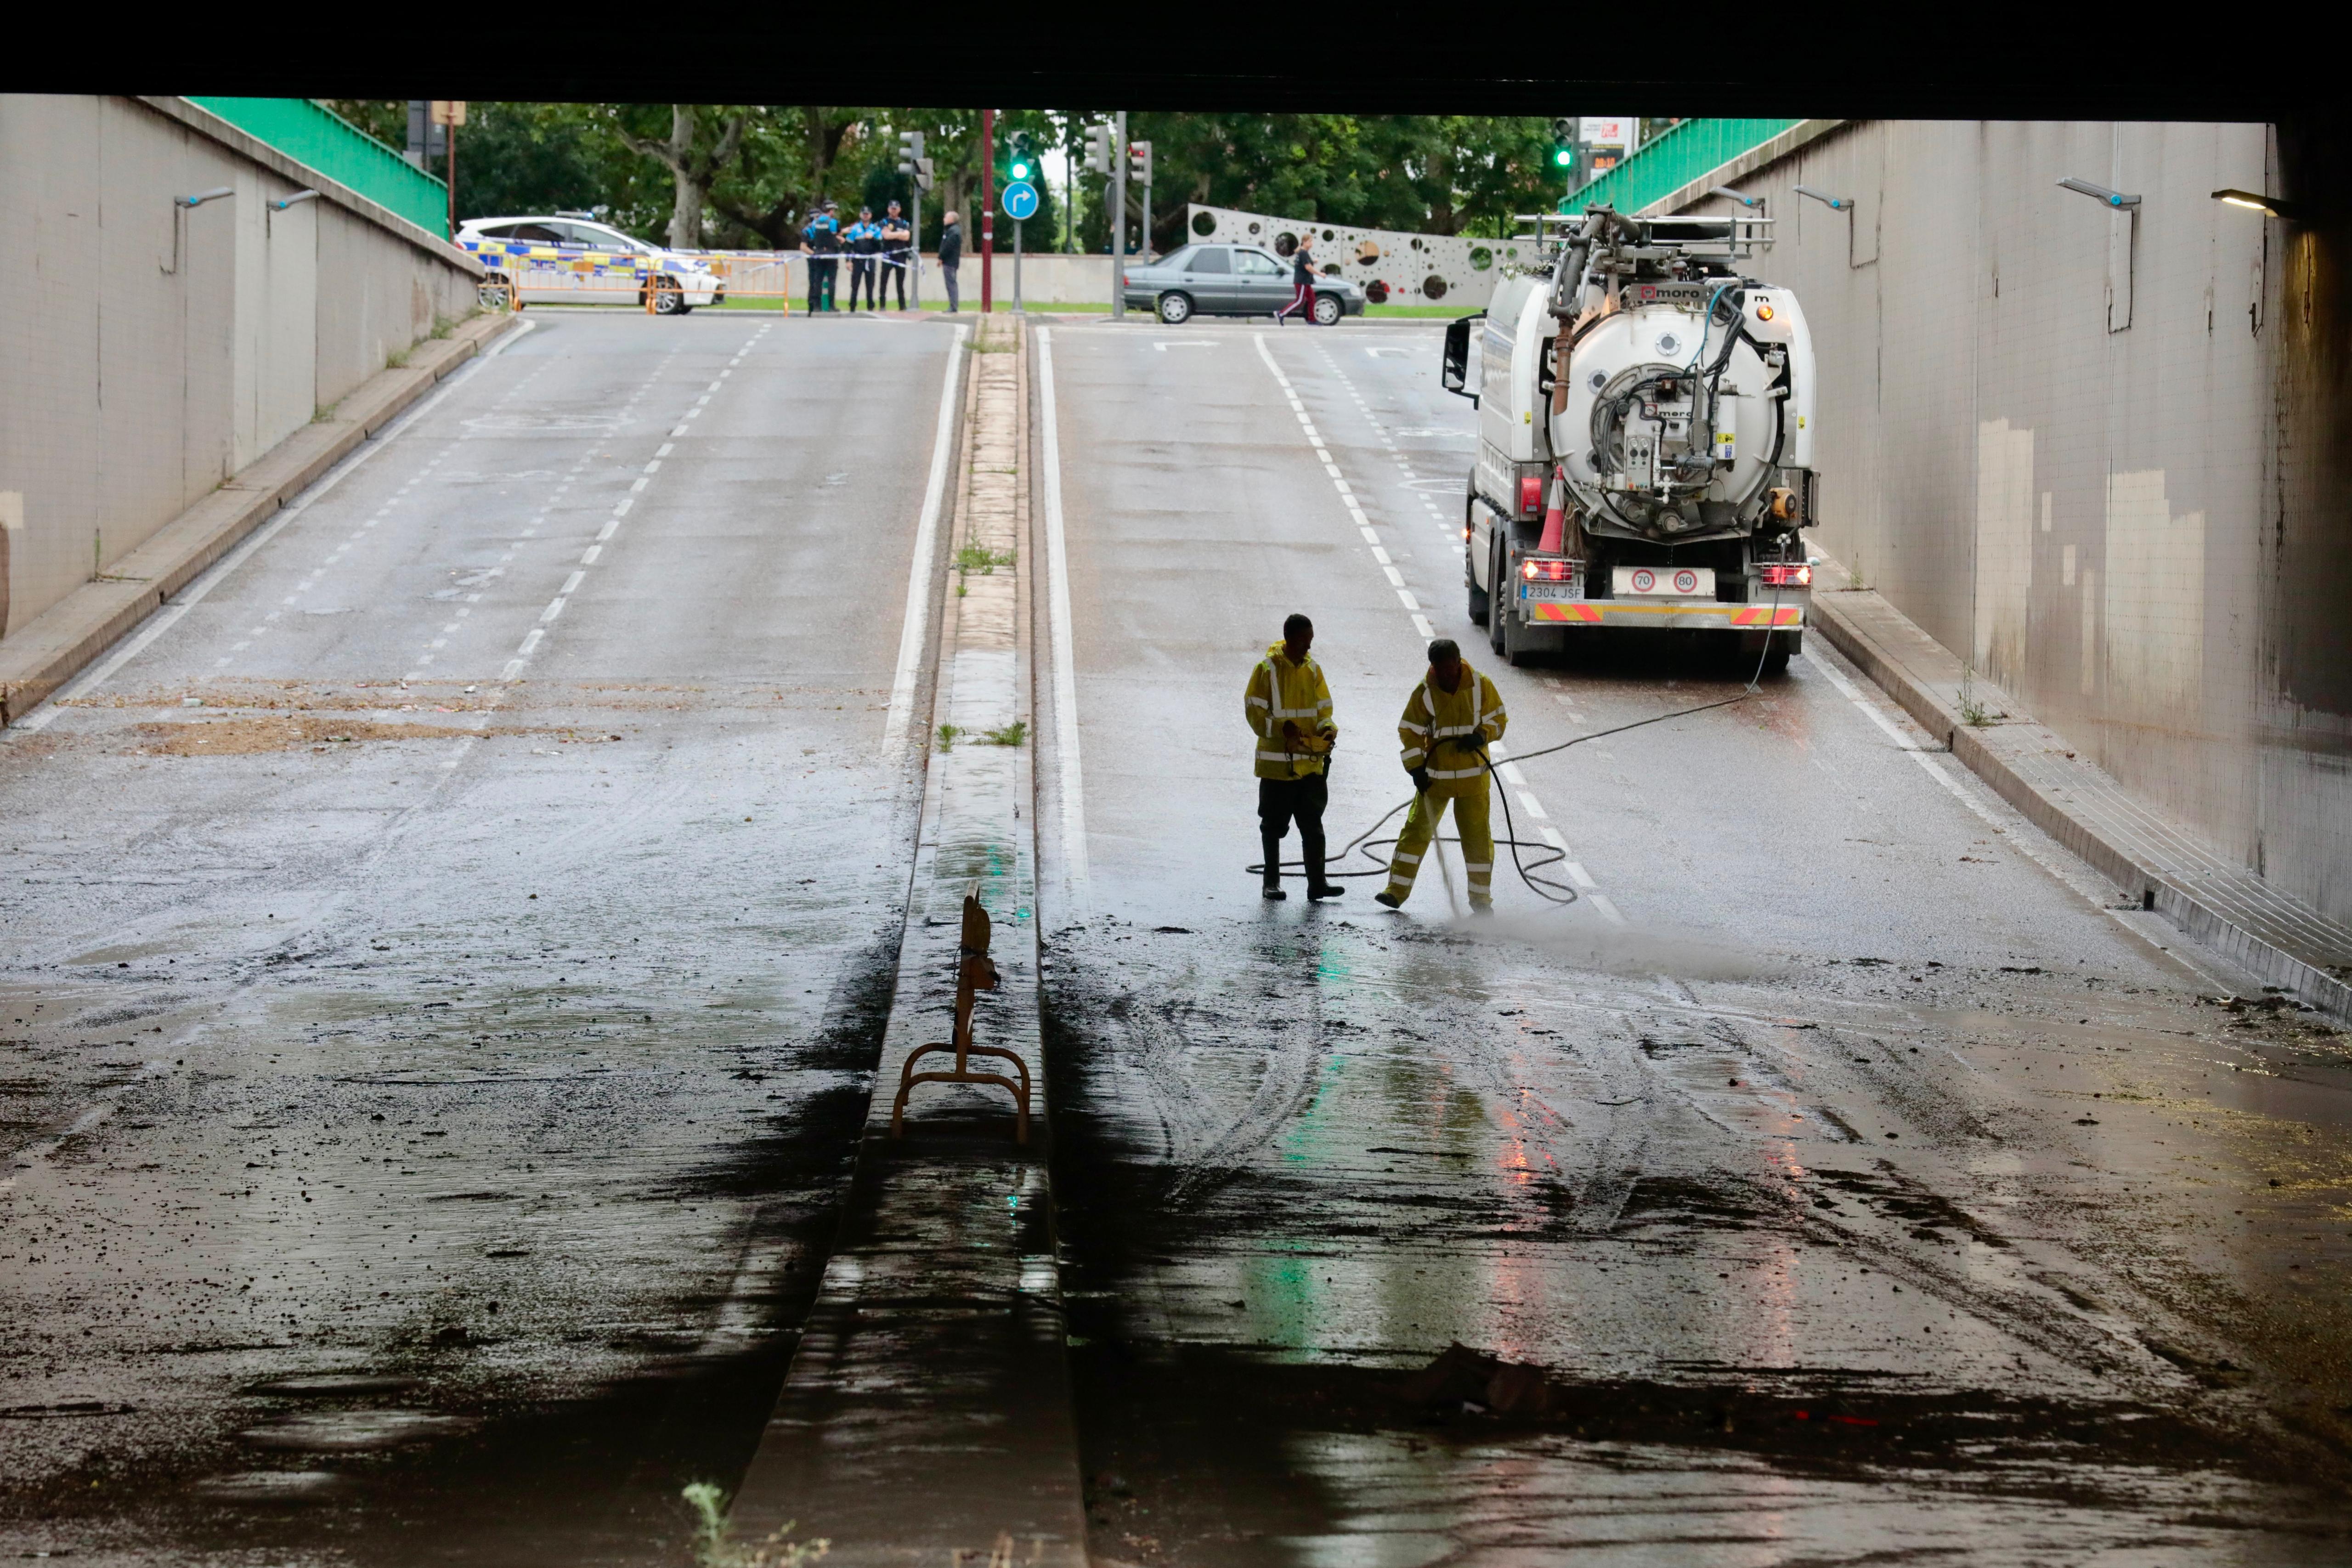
(1563, 144)
(1139, 164)
(1099, 149)
(911, 160)
(1023, 163)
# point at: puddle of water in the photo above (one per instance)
(331, 1385)
(272, 1486)
(341, 1431)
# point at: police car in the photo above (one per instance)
(569, 259)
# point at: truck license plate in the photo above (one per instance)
(1664, 581)
(1548, 591)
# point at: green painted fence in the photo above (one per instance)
(1677, 158)
(323, 140)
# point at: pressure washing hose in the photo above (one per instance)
(1544, 888)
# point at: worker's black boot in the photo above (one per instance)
(1318, 885)
(1272, 892)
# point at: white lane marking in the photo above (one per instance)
(554, 608)
(1509, 770)
(919, 578)
(1853, 694)
(642, 483)
(1163, 345)
(612, 526)
(220, 570)
(1058, 600)
(571, 584)
(590, 558)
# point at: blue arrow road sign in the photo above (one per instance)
(1019, 200)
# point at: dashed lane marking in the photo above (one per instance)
(220, 570)
(621, 509)
(1529, 801)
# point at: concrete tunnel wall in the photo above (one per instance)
(135, 386)
(2083, 449)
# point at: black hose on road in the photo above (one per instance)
(1560, 892)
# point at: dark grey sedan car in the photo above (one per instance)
(1231, 280)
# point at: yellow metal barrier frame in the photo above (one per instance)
(742, 274)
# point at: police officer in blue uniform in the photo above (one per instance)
(864, 238)
(898, 252)
(822, 236)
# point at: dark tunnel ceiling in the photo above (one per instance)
(1310, 57)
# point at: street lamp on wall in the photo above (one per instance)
(2122, 246)
(2114, 199)
(181, 207)
(2269, 206)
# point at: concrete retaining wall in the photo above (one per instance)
(2063, 441)
(154, 350)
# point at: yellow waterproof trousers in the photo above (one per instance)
(1472, 801)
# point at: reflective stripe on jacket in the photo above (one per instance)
(1434, 718)
(1279, 689)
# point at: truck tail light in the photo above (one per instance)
(1788, 577)
(1530, 493)
(1547, 571)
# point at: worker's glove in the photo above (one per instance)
(1420, 780)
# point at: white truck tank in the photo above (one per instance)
(1647, 429)
(1672, 421)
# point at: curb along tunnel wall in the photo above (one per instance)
(136, 385)
(2102, 458)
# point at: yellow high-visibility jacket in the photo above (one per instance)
(1279, 689)
(1431, 718)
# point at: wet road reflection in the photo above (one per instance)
(1869, 1190)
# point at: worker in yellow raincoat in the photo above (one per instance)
(1448, 722)
(1288, 706)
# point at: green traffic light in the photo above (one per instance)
(1020, 170)
(1563, 156)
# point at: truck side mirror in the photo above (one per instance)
(1455, 372)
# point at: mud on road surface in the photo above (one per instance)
(1776, 1247)
(443, 967)
(1847, 1175)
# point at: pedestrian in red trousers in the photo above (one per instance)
(1302, 276)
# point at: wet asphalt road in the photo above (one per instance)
(1866, 1187)
(427, 1094)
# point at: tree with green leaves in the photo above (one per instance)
(696, 154)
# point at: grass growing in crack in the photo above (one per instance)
(1973, 713)
(948, 733)
(1011, 734)
(980, 558)
(713, 1549)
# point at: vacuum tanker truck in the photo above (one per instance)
(1646, 440)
